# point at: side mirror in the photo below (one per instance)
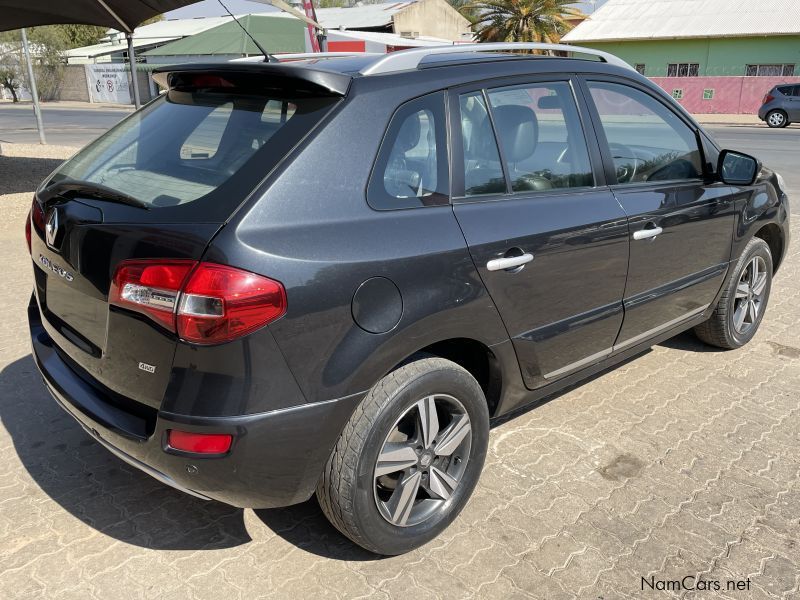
(736, 168)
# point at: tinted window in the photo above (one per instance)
(648, 142)
(483, 173)
(541, 136)
(186, 146)
(411, 169)
(788, 90)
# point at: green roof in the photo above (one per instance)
(276, 34)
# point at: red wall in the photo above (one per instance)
(732, 95)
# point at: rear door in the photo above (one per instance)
(681, 224)
(793, 102)
(549, 239)
(157, 186)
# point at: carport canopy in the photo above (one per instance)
(123, 15)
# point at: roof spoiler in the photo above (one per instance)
(259, 76)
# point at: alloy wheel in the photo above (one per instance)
(776, 119)
(749, 297)
(422, 460)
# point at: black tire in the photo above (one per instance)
(720, 329)
(776, 119)
(347, 490)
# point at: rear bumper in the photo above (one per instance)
(275, 460)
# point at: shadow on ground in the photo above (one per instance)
(19, 174)
(689, 342)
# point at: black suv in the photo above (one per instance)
(330, 274)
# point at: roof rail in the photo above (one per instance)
(406, 60)
(305, 55)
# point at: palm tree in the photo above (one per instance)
(520, 20)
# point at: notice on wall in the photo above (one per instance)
(109, 83)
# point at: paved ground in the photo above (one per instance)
(682, 462)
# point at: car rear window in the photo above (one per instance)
(787, 90)
(196, 150)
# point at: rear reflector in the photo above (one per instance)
(204, 303)
(199, 443)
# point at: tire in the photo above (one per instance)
(723, 329)
(363, 498)
(776, 119)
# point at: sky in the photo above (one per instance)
(212, 8)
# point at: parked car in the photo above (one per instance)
(781, 106)
(330, 275)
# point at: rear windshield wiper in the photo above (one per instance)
(89, 189)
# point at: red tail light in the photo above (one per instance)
(199, 443)
(36, 214)
(203, 303)
(768, 98)
(28, 231)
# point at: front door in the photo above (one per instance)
(549, 239)
(681, 225)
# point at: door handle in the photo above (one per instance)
(647, 232)
(509, 262)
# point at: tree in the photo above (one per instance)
(47, 56)
(520, 20)
(78, 36)
(9, 75)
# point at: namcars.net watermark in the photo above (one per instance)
(693, 583)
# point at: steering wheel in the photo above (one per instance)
(625, 160)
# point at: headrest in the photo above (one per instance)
(408, 136)
(518, 130)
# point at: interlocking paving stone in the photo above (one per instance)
(684, 461)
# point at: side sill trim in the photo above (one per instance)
(629, 342)
(578, 364)
(656, 330)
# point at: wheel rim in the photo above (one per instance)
(776, 119)
(749, 299)
(422, 460)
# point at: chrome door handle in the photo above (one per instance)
(644, 234)
(509, 262)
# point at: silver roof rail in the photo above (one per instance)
(305, 55)
(406, 60)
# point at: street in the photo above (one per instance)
(64, 126)
(77, 126)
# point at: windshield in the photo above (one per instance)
(186, 146)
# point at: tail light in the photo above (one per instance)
(203, 303)
(28, 231)
(36, 215)
(768, 98)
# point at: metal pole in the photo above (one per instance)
(32, 87)
(134, 78)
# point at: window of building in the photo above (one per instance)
(683, 69)
(770, 70)
(640, 67)
(411, 170)
(708, 94)
(647, 141)
(677, 94)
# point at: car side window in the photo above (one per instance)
(411, 169)
(541, 136)
(647, 141)
(483, 173)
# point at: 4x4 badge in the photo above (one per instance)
(51, 228)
